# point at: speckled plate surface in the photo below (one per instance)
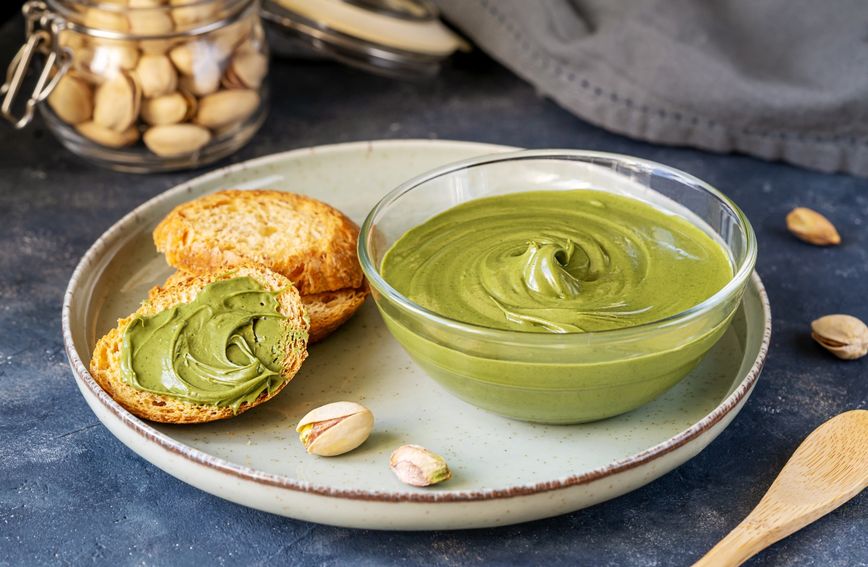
(504, 471)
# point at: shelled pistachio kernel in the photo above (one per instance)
(417, 466)
(335, 429)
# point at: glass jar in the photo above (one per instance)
(145, 85)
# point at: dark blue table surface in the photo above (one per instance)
(70, 493)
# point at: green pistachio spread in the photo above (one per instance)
(557, 261)
(224, 348)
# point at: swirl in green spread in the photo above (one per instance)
(557, 261)
(223, 348)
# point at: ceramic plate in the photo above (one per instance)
(504, 471)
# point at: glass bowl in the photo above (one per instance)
(549, 377)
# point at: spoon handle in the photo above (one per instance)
(758, 531)
(829, 468)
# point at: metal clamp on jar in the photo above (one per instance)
(144, 85)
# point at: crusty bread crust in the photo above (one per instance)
(106, 362)
(309, 242)
(331, 309)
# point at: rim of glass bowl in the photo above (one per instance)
(745, 268)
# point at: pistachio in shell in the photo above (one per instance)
(226, 107)
(173, 140)
(149, 21)
(72, 99)
(116, 103)
(844, 336)
(106, 19)
(166, 109)
(106, 136)
(202, 84)
(156, 75)
(187, 14)
(102, 59)
(417, 466)
(335, 429)
(812, 227)
(246, 69)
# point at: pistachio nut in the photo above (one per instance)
(156, 46)
(246, 69)
(225, 40)
(149, 21)
(417, 466)
(812, 227)
(107, 137)
(156, 75)
(183, 56)
(166, 109)
(104, 58)
(202, 84)
(71, 39)
(172, 140)
(116, 103)
(146, 3)
(188, 14)
(199, 66)
(844, 336)
(111, 20)
(72, 99)
(335, 428)
(226, 107)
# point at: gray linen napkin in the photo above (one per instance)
(778, 79)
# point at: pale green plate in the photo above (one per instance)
(504, 471)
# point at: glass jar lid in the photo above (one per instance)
(397, 38)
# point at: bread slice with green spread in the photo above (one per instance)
(309, 242)
(107, 363)
(327, 310)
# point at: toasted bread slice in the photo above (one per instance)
(331, 309)
(327, 310)
(105, 366)
(309, 242)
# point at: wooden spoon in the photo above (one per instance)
(829, 468)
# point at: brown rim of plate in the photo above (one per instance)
(198, 457)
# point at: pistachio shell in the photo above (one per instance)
(156, 46)
(844, 336)
(107, 137)
(246, 70)
(188, 16)
(182, 57)
(72, 100)
(202, 84)
(335, 428)
(226, 107)
(116, 103)
(111, 20)
(102, 59)
(812, 227)
(199, 66)
(156, 75)
(176, 139)
(150, 22)
(146, 3)
(226, 40)
(71, 39)
(166, 109)
(418, 466)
